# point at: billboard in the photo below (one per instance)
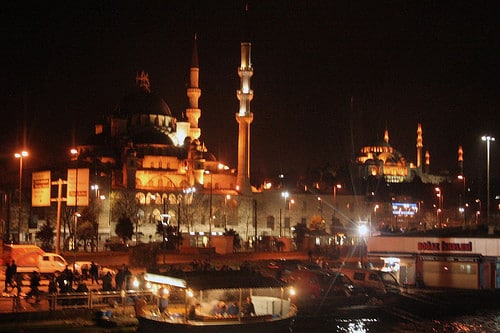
(404, 209)
(40, 189)
(78, 187)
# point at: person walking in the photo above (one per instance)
(52, 291)
(34, 284)
(8, 277)
(120, 278)
(94, 273)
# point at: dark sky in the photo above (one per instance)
(64, 64)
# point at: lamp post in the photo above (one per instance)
(464, 201)
(439, 195)
(320, 208)
(488, 139)
(76, 216)
(335, 188)
(211, 209)
(478, 212)
(20, 156)
(226, 198)
(285, 196)
(362, 232)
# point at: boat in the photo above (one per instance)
(195, 300)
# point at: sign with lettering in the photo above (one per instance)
(40, 189)
(444, 246)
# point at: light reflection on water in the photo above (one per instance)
(482, 322)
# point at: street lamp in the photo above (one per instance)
(211, 209)
(284, 195)
(362, 232)
(439, 195)
(320, 208)
(488, 139)
(76, 216)
(335, 188)
(226, 199)
(464, 201)
(20, 156)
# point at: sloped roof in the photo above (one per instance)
(203, 280)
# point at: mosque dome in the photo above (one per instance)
(142, 101)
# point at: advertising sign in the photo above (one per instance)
(78, 187)
(40, 189)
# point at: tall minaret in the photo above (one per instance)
(244, 118)
(193, 112)
(420, 145)
(427, 161)
(460, 160)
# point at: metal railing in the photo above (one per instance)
(75, 300)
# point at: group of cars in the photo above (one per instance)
(311, 282)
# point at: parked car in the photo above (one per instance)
(372, 281)
(79, 265)
(315, 284)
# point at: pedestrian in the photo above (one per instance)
(34, 284)
(8, 277)
(127, 278)
(94, 273)
(13, 267)
(19, 283)
(107, 282)
(120, 277)
(52, 291)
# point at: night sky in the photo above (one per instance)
(65, 64)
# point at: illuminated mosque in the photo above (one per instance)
(383, 160)
(143, 148)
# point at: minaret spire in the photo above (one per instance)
(420, 145)
(193, 112)
(460, 160)
(244, 117)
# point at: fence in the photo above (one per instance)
(85, 300)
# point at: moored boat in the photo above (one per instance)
(216, 302)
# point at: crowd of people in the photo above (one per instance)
(68, 281)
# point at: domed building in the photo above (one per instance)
(142, 147)
(382, 160)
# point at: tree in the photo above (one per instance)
(124, 228)
(46, 236)
(317, 223)
(169, 235)
(236, 238)
(126, 208)
(299, 232)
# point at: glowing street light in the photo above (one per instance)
(335, 188)
(362, 232)
(464, 200)
(284, 195)
(440, 197)
(20, 156)
(488, 139)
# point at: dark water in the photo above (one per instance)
(487, 321)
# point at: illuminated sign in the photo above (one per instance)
(404, 208)
(40, 189)
(444, 246)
